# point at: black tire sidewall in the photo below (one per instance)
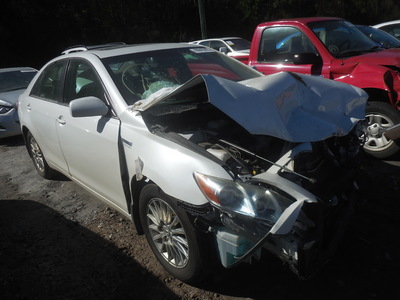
(193, 271)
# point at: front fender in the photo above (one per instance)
(170, 166)
(370, 76)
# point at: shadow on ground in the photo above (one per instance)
(45, 256)
(12, 141)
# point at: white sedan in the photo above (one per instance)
(210, 159)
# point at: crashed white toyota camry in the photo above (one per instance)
(212, 161)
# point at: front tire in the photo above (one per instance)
(171, 235)
(38, 159)
(380, 116)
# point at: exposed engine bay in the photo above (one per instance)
(325, 168)
(190, 117)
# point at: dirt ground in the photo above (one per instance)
(59, 242)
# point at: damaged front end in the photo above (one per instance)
(297, 209)
(291, 145)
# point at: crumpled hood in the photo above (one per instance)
(289, 106)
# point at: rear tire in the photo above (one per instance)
(380, 116)
(171, 235)
(38, 159)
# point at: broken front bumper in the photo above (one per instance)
(310, 243)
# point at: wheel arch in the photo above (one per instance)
(377, 95)
(25, 131)
(136, 188)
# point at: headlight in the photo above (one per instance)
(5, 109)
(244, 198)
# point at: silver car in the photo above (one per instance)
(235, 47)
(212, 161)
(13, 81)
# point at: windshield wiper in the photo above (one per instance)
(374, 48)
(358, 52)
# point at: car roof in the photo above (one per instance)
(299, 20)
(116, 49)
(218, 38)
(386, 23)
(13, 69)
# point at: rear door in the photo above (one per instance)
(41, 112)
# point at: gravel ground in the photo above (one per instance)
(59, 242)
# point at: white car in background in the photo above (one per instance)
(391, 27)
(13, 81)
(235, 47)
(212, 160)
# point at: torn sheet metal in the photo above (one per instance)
(290, 106)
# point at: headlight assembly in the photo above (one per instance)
(244, 198)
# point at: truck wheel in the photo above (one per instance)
(38, 159)
(170, 234)
(380, 116)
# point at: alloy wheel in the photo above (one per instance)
(167, 233)
(37, 154)
(377, 124)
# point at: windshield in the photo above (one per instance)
(342, 38)
(15, 80)
(138, 75)
(381, 37)
(238, 44)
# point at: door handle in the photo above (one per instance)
(61, 120)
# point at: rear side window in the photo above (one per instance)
(216, 45)
(49, 84)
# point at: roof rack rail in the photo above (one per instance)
(79, 48)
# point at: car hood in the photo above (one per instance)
(386, 57)
(10, 98)
(289, 106)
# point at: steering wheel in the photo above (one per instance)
(333, 49)
(133, 80)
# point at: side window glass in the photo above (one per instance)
(50, 83)
(207, 43)
(217, 44)
(280, 44)
(82, 81)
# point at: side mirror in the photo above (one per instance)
(223, 50)
(306, 59)
(87, 107)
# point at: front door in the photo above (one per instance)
(278, 47)
(90, 144)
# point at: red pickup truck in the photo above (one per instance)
(334, 48)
